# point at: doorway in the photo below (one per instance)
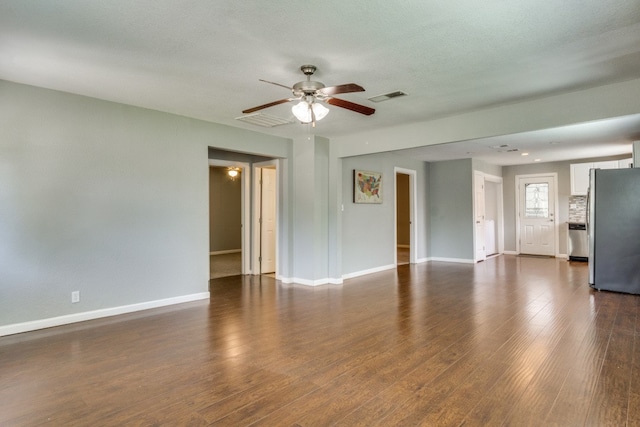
(405, 250)
(228, 242)
(488, 217)
(493, 223)
(537, 230)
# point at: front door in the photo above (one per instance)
(537, 215)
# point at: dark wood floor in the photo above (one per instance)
(512, 341)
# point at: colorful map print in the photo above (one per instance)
(367, 187)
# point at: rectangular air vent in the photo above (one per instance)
(387, 96)
(264, 120)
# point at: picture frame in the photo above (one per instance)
(367, 187)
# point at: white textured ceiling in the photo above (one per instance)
(203, 58)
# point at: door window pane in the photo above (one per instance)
(536, 203)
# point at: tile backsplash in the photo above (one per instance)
(577, 208)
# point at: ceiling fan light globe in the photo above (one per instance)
(302, 112)
(320, 111)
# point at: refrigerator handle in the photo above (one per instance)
(590, 222)
(588, 207)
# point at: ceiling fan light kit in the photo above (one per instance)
(311, 94)
(309, 112)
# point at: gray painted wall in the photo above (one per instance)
(225, 210)
(487, 168)
(368, 229)
(451, 209)
(107, 199)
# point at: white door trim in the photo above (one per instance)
(478, 255)
(500, 219)
(413, 229)
(246, 202)
(255, 229)
(500, 208)
(556, 224)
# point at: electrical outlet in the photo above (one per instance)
(75, 297)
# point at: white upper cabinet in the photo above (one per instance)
(580, 173)
(580, 178)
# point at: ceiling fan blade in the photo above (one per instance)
(274, 83)
(351, 106)
(347, 88)
(261, 107)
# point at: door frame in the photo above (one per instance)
(477, 175)
(556, 224)
(499, 208)
(256, 229)
(245, 203)
(413, 226)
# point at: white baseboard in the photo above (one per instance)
(369, 271)
(229, 251)
(510, 252)
(456, 260)
(421, 260)
(562, 256)
(308, 282)
(18, 328)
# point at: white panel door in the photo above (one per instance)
(268, 224)
(479, 213)
(537, 215)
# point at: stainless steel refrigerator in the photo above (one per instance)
(614, 229)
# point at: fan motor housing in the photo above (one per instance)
(307, 88)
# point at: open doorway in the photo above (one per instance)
(227, 216)
(403, 219)
(406, 230)
(488, 216)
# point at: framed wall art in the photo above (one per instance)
(367, 187)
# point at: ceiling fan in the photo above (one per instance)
(312, 94)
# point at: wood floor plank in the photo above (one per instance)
(610, 400)
(510, 341)
(543, 389)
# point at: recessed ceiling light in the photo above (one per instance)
(537, 160)
(524, 154)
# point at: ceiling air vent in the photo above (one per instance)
(387, 96)
(264, 120)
